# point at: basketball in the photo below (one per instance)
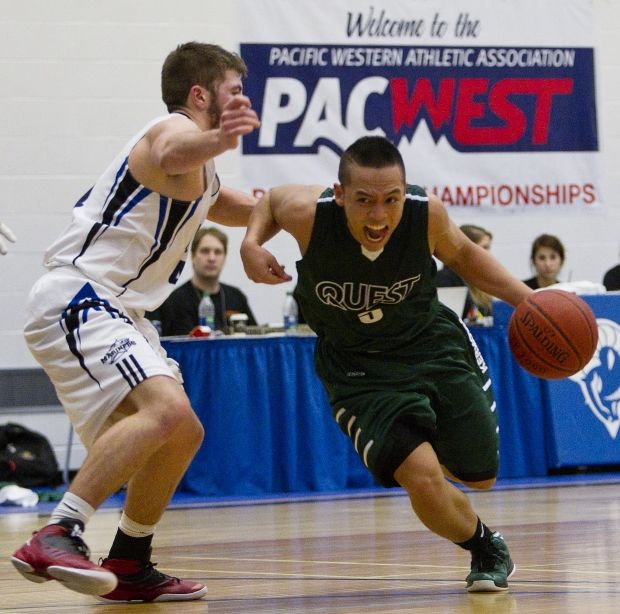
(553, 334)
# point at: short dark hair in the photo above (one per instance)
(369, 151)
(550, 241)
(475, 233)
(209, 230)
(195, 64)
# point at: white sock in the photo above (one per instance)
(135, 529)
(72, 506)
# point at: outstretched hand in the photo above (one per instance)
(237, 119)
(261, 266)
(5, 232)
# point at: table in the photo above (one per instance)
(520, 398)
(269, 427)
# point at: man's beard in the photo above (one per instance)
(214, 113)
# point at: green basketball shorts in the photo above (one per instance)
(438, 389)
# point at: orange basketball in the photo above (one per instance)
(553, 334)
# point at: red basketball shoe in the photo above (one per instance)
(139, 582)
(58, 553)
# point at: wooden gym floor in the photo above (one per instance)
(360, 554)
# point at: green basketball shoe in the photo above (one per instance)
(491, 567)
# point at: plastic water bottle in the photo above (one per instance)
(290, 313)
(206, 311)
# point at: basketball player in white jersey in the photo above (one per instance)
(121, 254)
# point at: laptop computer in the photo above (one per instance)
(454, 298)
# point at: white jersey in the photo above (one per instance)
(130, 239)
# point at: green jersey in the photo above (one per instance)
(359, 304)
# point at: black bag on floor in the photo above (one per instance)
(27, 457)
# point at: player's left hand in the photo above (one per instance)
(5, 232)
(237, 119)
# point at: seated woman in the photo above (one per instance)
(547, 259)
(478, 303)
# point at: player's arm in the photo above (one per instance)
(289, 208)
(232, 207)
(473, 263)
(177, 146)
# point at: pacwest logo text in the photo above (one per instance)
(478, 99)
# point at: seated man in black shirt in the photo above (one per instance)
(179, 313)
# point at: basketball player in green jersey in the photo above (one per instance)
(405, 380)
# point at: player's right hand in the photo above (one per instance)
(5, 232)
(261, 266)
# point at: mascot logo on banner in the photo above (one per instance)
(600, 378)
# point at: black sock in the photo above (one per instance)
(479, 539)
(135, 548)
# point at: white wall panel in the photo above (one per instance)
(79, 77)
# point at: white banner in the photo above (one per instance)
(491, 103)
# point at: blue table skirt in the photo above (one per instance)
(521, 401)
(269, 427)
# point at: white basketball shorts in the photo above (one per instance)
(94, 350)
